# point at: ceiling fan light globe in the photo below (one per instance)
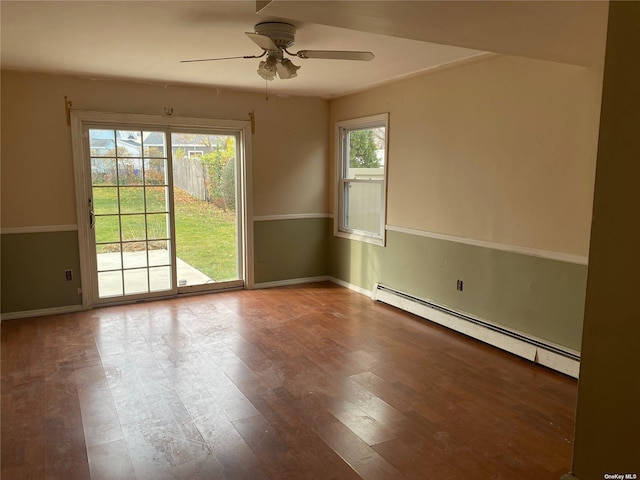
(266, 71)
(271, 61)
(286, 69)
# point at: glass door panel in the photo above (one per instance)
(205, 193)
(131, 212)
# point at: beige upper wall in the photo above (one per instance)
(501, 150)
(289, 146)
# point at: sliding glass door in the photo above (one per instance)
(165, 210)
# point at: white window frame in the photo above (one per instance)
(339, 225)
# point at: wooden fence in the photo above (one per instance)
(189, 175)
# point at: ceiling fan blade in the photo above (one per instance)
(336, 55)
(214, 59)
(262, 41)
(219, 58)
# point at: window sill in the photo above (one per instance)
(380, 241)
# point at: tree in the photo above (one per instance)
(217, 166)
(362, 149)
(228, 187)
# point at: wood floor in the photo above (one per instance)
(307, 382)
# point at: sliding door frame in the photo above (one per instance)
(82, 176)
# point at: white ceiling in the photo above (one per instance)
(145, 40)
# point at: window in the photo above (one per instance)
(361, 167)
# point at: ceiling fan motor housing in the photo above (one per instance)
(281, 34)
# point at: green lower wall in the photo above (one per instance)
(34, 264)
(533, 295)
(33, 271)
(536, 296)
(290, 249)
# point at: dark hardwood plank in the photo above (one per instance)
(305, 382)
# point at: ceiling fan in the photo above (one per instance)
(274, 38)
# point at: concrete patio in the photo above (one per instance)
(136, 279)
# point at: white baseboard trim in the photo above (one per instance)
(350, 286)
(41, 312)
(531, 350)
(289, 282)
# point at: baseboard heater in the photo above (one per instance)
(536, 350)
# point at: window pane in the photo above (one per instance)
(157, 226)
(128, 143)
(135, 254)
(130, 171)
(154, 144)
(363, 206)
(136, 281)
(105, 200)
(155, 171)
(159, 253)
(103, 171)
(107, 228)
(366, 149)
(133, 227)
(160, 279)
(131, 200)
(157, 199)
(102, 143)
(109, 284)
(109, 257)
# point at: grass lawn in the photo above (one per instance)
(206, 237)
(205, 234)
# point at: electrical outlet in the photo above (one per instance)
(68, 275)
(459, 285)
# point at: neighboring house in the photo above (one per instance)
(188, 145)
(103, 143)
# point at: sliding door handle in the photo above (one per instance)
(92, 219)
